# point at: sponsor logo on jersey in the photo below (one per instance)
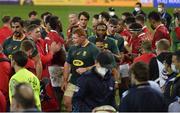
(78, 63)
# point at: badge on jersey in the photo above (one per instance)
(78, 63)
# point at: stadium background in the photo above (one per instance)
(62, 8)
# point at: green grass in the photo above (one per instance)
(61, 11)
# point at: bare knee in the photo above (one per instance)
(68, 103)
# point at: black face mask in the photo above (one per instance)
(153, 27)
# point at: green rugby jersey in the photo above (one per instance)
(10, 45)
(118, 40)
(81, 57)
(109, 44)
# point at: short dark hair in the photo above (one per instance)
(138, 3)
(135, 27)
(54, 21)
(140, 18)
(106, 59)
(113, 21)
(47, 19)
(36, 21)
(17, 19)
(84, 13)
(130, 20)
(127, 14)
(32, 27)
(162, 4)
(27, 45)
(20, 58)
(32, 13)
(154, 16)
(96, 16)
(6, 19)
(26, 101)
(140, 71)
(105, 15)
(44, 14)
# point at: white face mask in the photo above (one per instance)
(173, 67)
(111, 13)
(102, 71)
(137, 9)
(160, 10)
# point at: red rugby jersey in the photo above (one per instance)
(161, 32)
(5, 32)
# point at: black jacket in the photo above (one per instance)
(153, 65)
(93, 91)
(135, 13)
(143, 98)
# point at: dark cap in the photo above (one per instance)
(106, 59)
(111, 9)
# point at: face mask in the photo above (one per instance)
(160, 10)
(102, 71)
(111, 13)
(173, 67)
(137, 9)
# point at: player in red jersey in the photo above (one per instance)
(5, 30)
(160, 30)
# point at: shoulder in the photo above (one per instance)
(137, 59)
(153, 60)
(72, 48)
(117, 35)
(168, 14)
(110, 39)
(86, 76)
(8, 39)
(92, 38)
(91, 45)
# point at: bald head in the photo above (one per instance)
(24, 97)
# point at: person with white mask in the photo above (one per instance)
(165, 16)
(138, 10)
(96, 87)
(172, 86)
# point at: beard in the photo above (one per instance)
(17, 34)
(102, 36)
